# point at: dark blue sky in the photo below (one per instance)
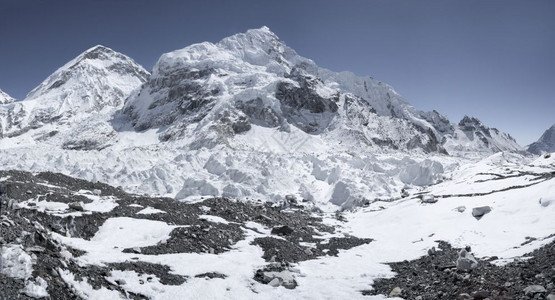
(491, 59)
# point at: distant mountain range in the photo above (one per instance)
(244, 80)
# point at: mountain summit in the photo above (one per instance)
(471, 135)
(546, 143)
(5, 98)
(98, 78)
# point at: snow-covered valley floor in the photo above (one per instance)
(114, 245)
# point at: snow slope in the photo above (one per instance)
(546, 143)
(515, 187)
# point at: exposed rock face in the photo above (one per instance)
(471, 134)
(439, 121)
(302, 105)
(546, 143)
(258, 113)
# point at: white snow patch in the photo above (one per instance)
(117, 234)
(85, 290)
(150, 210)
(16, 262)
(214, 219)
(36, 289)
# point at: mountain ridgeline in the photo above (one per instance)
(546, 143)
(209, 93)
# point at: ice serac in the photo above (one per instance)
(470, 135)
(212, 92)
(97, 79)
(546, 143)
(5, 98)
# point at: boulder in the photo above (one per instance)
(480, 295)
(466, 262)
(531, 290)
(460, 209)
(274, 282)
(283, 230)
(546, 201)
(429, 199)
(291, 199)
(479, 212)
(284, 278)
(79, 206)
(396, 292)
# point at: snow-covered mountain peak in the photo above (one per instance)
(469, 122)
(471, 136)
(97, 80)
(546, 143)
(474, 125)
(97, 67)
(254, 79)
(253, 37)
(259, 47)
(240, 53)
(5, 98)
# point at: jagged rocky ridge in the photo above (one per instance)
(546, 143)
(216, 91)
(471, 133)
